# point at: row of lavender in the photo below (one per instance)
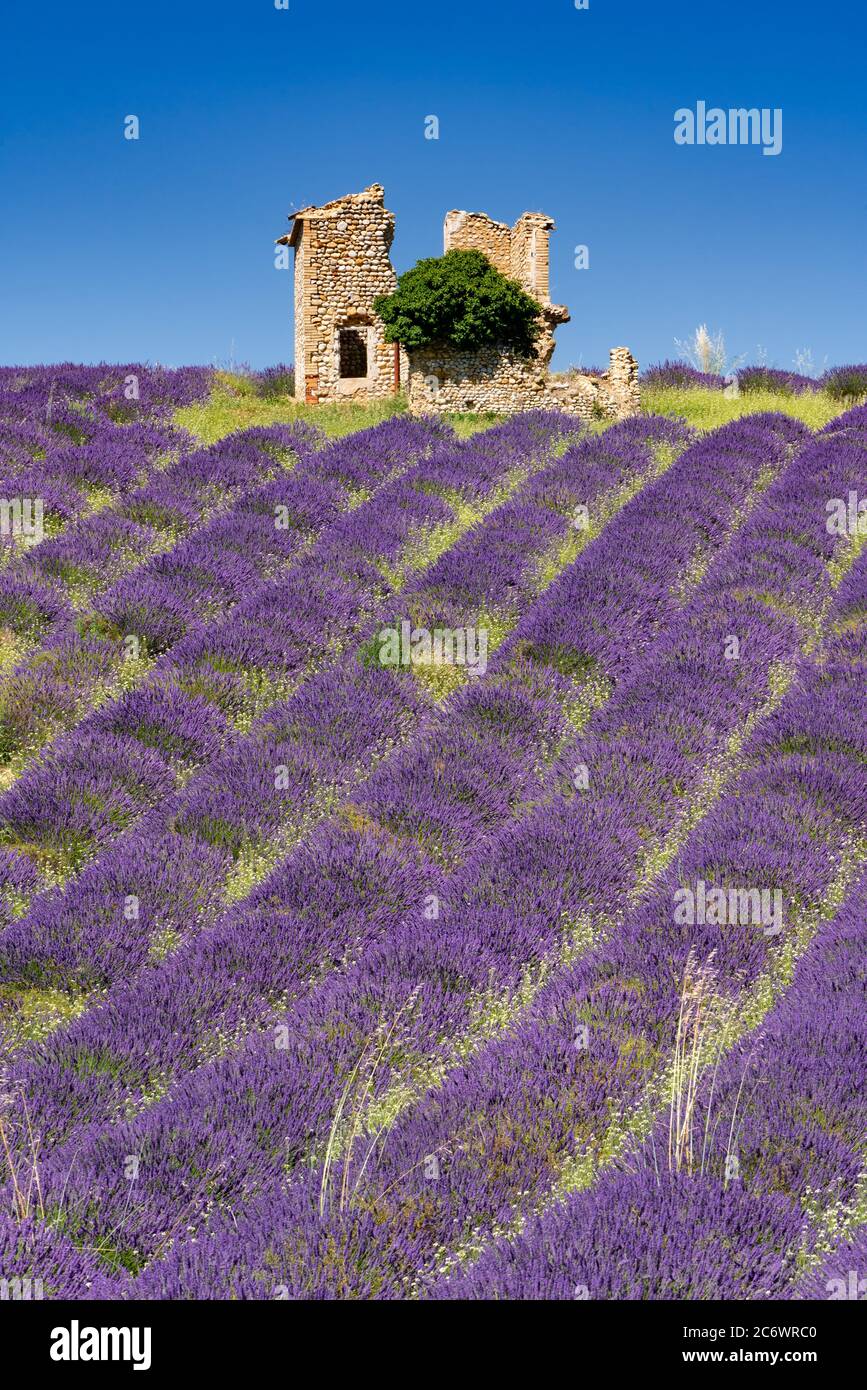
(542, 648)
(848, 383)
(686, 536)
(795, 822)
(777, 1124)
(495, 1134)
(80, 443)
(60, 450)
(491, 569)
(779, 1118)
(133, 748)
(288, 627)
(62, 432)
(67, 444)
(206, 510)
(519, 535)
(64, 451)
(560, 487)
(780, 1143)
(780, 1123)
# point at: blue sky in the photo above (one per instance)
(161, 248)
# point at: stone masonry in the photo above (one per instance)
(342, 263)
(442, 381)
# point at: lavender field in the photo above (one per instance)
(431, 867)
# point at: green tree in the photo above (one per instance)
(462, 301)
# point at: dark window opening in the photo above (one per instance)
(353, 352)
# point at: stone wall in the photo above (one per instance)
(473, 231)
(441, 381)
(341, 264)
(530, 256)
(520, 252)
(497, 380)
(614, 395)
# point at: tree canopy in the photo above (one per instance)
(462, 301)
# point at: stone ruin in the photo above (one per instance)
(342, 263)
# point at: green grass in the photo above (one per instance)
(236, 408)
(706, 410)
(32, 1013)
(234, 405)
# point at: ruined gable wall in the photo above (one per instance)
(442, 379)
(473, 231)
(520, 252)
(530, 255)
(342, 264)
(491, 379)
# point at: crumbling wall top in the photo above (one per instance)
(520, 252)
(373, 196)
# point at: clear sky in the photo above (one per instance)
(161, 249)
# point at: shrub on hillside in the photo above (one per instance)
(275, 381)
(845, 383)
(681, 376)
(775, 379)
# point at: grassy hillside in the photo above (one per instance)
(236, 404)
